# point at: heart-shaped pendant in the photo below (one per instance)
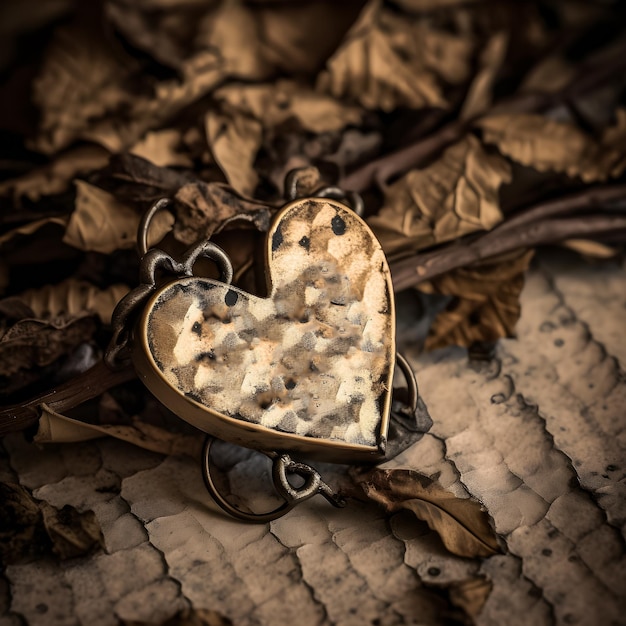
(308, 368)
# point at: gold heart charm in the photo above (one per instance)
(308, 368)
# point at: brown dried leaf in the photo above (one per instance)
(373, 65)
(552, 74)
(461, 523)
(248, 112)
(206, 208)
(56, 176)
(548, 145)
(35, 343)
(31, 228)
(35, 526)
(163, 148)
(73, 297)
(80, 81)
(456, 195)
(485, 305)
(234, 141)
(54, 427)
(72, 533)
(103, 224)
(480, 94)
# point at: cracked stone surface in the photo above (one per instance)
(537, 435)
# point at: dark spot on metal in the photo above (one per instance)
(197, 328)
(305, 242)
(231, 297)
(338, 225)
(277, 238)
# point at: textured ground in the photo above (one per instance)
(538, 435)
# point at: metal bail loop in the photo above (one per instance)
(282, 464)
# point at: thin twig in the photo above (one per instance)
(501, 240)
(598, 71)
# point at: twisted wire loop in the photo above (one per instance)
(282, 465)
(351, 198)
(151, 262)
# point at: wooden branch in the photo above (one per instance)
(463, 252)
(88, 385)
(593, 74)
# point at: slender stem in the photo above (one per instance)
(419, 268)
(88, 385)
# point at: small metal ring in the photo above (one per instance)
(411, 382)
(146, 221)
(351, 198)
(225, 504)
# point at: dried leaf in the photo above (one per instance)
(234, 141)
(31, 228)
(456, 195)
(163, 148)
(54, 427)
(461, 523)
(34, 343)
(250, 112)
(102, 224)
(371, 68)
(552, 74)
(485, 305)
(591, 249)
(73, 297)
(206, 208)
(56, 176)
(72, 533)
(548, 145)
(480, 93)
(34, 526)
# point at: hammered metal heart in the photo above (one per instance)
(307, 368)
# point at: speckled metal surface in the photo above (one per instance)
(313, 359)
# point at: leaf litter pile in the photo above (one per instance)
(475, 132)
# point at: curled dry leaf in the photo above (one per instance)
(35, 343)
(480, 93)
(101, 223)
(250, 112)
(54, 427)
(547, 145)
(163, 148)
(56, 176)
(36, 526)
(31, 228)
(234, 141)
(485, 304)
(206, 208)
(73, 297)
(80, 81)
(456, 195)
(374, 65)
(461, 523)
